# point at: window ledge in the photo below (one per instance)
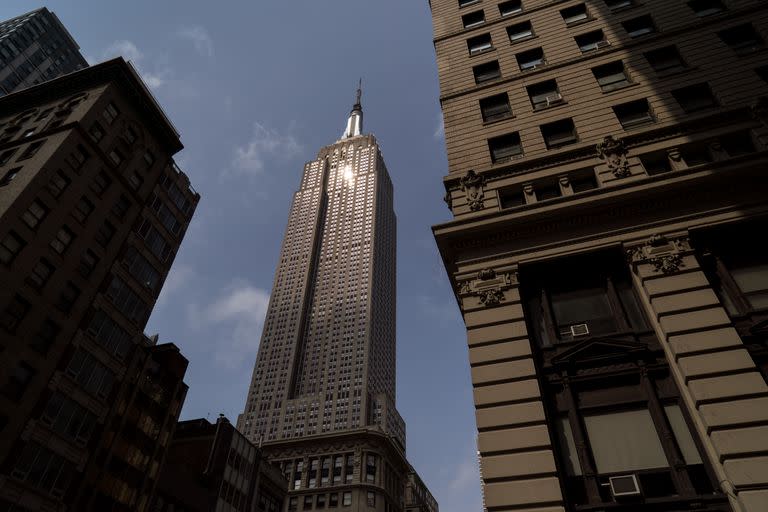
(580, 22)
(550, 107)
(621, 88)
(522, 39)
(470, 4)
(482, 52)
(499, 120)
(674, 72)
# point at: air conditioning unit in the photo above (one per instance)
(579, 330)
(555, 99)
(624, 485)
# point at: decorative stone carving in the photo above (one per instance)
(614, 152)
(489, 286)
(663, 254)
(760, 110)
(473, 185)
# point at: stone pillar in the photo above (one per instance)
(719, 382)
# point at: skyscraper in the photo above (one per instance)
(35, 47)
(606, 180)
(322, 396)
(92, 211)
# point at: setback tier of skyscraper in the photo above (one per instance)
(322, 396)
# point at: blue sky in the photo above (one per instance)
(256, 88)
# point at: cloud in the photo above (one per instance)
(237, 316)
(264, 145)
(466, 476)
(179, 276)
(440, 130)
(200, 39)
(129, 51)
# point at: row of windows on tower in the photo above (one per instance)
(578, 13)
(742, 39)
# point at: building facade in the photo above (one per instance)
(92, 212)
(213, 467)
(322, 396)
(605, 178)
(35, 47)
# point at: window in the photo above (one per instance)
(495, 107)
(486, 72)
(511, 197)
(624, 441)
(113, 338)
(583, 181)
(293, 503)
(473, 19)
(96, 132)
(142, 270)
(510, 8)
(149, 159)
(370, 468)
(736, 144)
(62, 240)
(641, 26)
(100, 183)
(9, 176)
(320, 501)
(546, 190)
(28, 133)
(611, 76)
(333, 500)
(130, 136)
(520, 31)
(325, 472)
(338, 464)
(479, 44)
(591, 41)
(88, 262)
(742, 38)
(129, 303)
(575, 14)
(116, 156)
(68, 418)
(10, 247)
(78, 158)
(104, 234)
(44, 469)
(696, 154)
(656, 163)
(110, 113)
(83, 210)
(68, 297)
(346, 499)
(14, 313)
(308, 500)
(665, 59)
(762, 72)
(559, 133)
(530, 59)
(695, 97)
(58, 183)
(544, 94)
(464, 3)
(5, 156)
(18, 381)
(166, 217)
(40, 274)
(31, 150)
(45, 336)
(135, 181)
(371, 499)
(619, 4)
(155, 241)
(349, 468)
(505, 147)
(634, 113)
(121, 207)
(706, 7)
(35, 214)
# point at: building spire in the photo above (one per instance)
(355, 120)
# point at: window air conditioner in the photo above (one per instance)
(555, 99)
(579, 330)
(624, 485)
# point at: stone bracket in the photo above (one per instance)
(489, 286)
(665, 255)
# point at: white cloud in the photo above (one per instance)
(179, 276)
(467, 475)
(125, 49)
(200, 39)
(440, 130)
(265, 144)
(237, 315)
(130, 52)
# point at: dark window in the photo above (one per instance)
(18, 381)
(31, 150)
(130, 135)
(520, 31)
(583, 181)
(68, 418)
(505, 147)
(40, 274)
(110, 113)
(100, 183)
(656, 163)
(121, 207)
(62, 240)
(320, 502)
(45, 336)
(44, 469)
(486, 72)
(83, 210)
(308, 500)
(116, 156)
(762, 72)
(9, 176)
(105, 233)
(370, 468)
(495, 107)
(371, 499)
(511, 7)
(96, 132)
(88, 262)
(127, 301)
(166, 216)
(706, 7)
(346, 499)
(559, 133)
(591, 41)
(35, 214)
(141, 269)
(68, 297)
(634, 113)
(293, 503)
(14, 313)
(59, 182)
(696, 154)
(473, 19)
(349, 468)
(333, 500)
(530, 59)
(479, 44)
(736, 144)
(742, 38)
(10, 247)
(665, 59)
(149, 159)
(91, 375)
(5, 156)
(641, 26)
(135, 181)
(619, 4)
(78, 158)
(575, 14)
(547, 190)
(695, 97)
(611, 76)
(511, 197)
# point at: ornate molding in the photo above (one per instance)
(473, 185)
(489, 286)
(665, 255)
(614, 152)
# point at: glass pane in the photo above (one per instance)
(631, 307)
(625, 441)
(682, 434)
(588, 305)
(758, 300)
(568, 446)
(751, 278)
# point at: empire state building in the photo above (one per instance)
(322, 394)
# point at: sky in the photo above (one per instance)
(256, 88)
